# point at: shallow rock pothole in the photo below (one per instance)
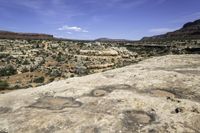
(104, 90)
(162, 93)
(56, 103)
(178, 110)
(99, 93)
(134, 119)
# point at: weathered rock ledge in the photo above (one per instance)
(160, 94)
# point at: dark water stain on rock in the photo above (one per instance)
(171, 93)
(90, 129)
(194, 124)
(133, 119)
(152, 131)
(56, 103)
(185, 94)
(4, 110)
(3, 132)
(193, 72)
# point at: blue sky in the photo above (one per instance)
(91, 19)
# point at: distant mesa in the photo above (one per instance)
(15, 35)
(111, 40)
(190, 30)
(39, 36)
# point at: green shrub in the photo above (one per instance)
(26, 62)
(17, 87)
(8, 71)
(4, 84)
(51, 79)
(39, 79)
(72, 75)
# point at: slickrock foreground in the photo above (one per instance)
(157, 95)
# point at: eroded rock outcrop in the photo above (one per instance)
(160, 94)
(189, 30)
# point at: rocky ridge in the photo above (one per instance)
(189, 30)
(31, 36)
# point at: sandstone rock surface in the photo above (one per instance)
(158, 95)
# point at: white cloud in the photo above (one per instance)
(161, 30)
(69, 32)
(72, 28)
